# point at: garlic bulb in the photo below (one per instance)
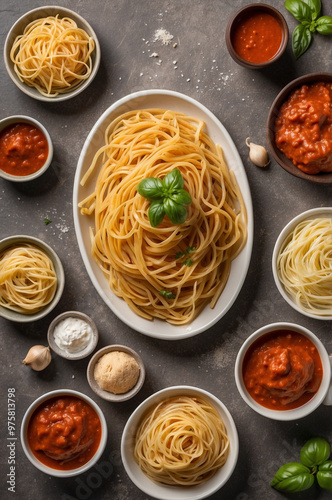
(38, 357)
(257, 154)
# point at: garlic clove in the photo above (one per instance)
(257, 154)
(38, 357)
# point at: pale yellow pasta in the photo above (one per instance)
(141, 262)
(28, 280)
(182, 440)
(53, 55)
(304, 266)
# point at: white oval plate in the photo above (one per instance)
(164, 99)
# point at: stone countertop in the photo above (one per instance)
(200, 67)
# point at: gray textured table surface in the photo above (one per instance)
(240, 98)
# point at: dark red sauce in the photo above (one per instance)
(23, 149)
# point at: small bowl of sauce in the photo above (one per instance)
(26, 148)
(283, 371)
(63, 433)
(256, 35)
(299, 128)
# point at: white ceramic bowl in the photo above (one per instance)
(24, 430)
(18, 28)
(313, 403)
(25, 318)
(10, 120)
(288, 229)
(86, 351)
(164, 99)
(164, 492)
(109, 396)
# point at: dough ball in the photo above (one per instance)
(116, 372)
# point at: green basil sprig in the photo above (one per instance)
(167, 196)
(307, 13)
(294, 476)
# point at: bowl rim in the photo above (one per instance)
(25, 318)
(33, 13)
(86, 351)
(25, 422)
(109, 396)
(231, 26)
(10, 120)
(283, 235)
(282, 96)
(309, 406)
(164, 492)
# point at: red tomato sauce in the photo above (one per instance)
(282, 370)
(64, 433)
(257, 38)
(23, 149)
(304, 128)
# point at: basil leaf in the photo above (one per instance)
(156, 213)
(302, 37)
(315, 6)
(181, 196)
(300, 10)
(292, 477)
(151, 188)
(315, 451)
(173, 180)
(324, 475)
(167, 294)
(188, 251)
(177, 213)
(324, 25)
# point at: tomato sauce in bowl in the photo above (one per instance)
(257, 37)
(303, 128)
(282, 370)
(23, 149)
(64, 432)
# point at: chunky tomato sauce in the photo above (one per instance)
(257, 38)
(23, 149)
(304, 128)
(64, 433)
(282, 370)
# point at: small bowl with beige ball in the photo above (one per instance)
(116, 373)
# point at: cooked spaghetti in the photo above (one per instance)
(53, 55)
(304, 266)
(28, 280)
(171, 271)
(182, 440)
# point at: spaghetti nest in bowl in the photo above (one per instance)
(171, 271)
(53, 55)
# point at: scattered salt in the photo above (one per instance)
(163, 36)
